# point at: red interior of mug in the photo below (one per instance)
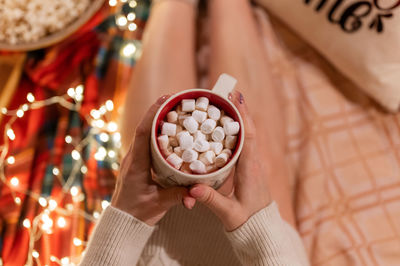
(214, 99)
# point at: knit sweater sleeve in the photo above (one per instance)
(118, 239)
(266, 239)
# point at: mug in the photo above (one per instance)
(165, 174)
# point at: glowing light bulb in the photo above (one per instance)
(35, 254)
(79, 97)
(4, 110)
(109, 105)
(47, 222)
(53, 258)
(96, 114)
(75, 155)
(30, 97)
(112, 127)
(56, 171)
(104, 204)
(79, 89)
(121, 21)
(74, 191)
(61, 222)
(112, 2)
(68, 139)
(10, 134)
(132, 26)
(52, 205)
(26, 223)
(42, 202)
(64, 261)
(20, 113)
(111, 154)
(96, 215)
(71, 92)
(25, 107)
(132, 4)
(11, 160)
(128, 50)
(77, 242)
(103, 109)
(98, 123)
(14, 181)
(104, 137)
(84, 169)
(117, 137)
(101, 154)
(115, 166)
(131, 16)
(17, 200)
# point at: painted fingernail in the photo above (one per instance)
(241, 98)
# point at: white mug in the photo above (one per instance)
(165, 174)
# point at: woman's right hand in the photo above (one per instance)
(250, 193)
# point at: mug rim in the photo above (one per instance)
(232, 160)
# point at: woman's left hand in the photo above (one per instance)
(136, 193)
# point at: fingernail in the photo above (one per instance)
(230, 96)
(196, 192)
(163, 98)
(241, 98)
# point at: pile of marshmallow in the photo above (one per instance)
(197, 137)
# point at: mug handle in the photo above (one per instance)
(225, 85)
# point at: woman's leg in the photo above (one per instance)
(237, 49)
(167, 63)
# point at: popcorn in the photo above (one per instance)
(201, 145)
(172, 117)
(188, 105)
(200, 116)
(198, 138)
(189, 156)
(208, 126)
(214, 113)
(168, 129)
(198, 167)
(231, 128)
(175, 161)
(191, 124)
(202, 103)
(218, 134)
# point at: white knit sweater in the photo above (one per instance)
(191, 238)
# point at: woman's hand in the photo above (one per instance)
(250, 193)
(136, 193)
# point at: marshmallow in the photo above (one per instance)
(189, 156)
(216, 147)
(211, 168)
(172, 117)
(227, 151)
(186, 168)
(182, 133)
(224, 119)
(198, 167)
(173, 141)
(163, 142)
(198, 135)
(178, 151)
(230, 142)
(213, 112)
(221, 160)
(186, 142)
(200, 116)
(202, 103)
(188, 105)
(218, 134)
(231, 128)
(175, 161)
(207, 157)
(182, 118)
(208, 126)
(191, 124)
(168, 129)
(201, 145)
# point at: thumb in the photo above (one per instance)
(215, 201)
(170, 197)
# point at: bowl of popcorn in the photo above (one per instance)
(33, 24)
(197, 136)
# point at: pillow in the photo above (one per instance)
(360, 38)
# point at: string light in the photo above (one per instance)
(4, 111)
(109, 105)
(11, 160)
(56, 171)
(53, 258)
(74, 191)
(112, 127)
(84, 169)
(112, 2)
(128, 50)
(77, 242)
(52, 205)
(111, 154)
(131, 16)
(14, 181)
(26, 223)
(65, 261)
(42, 202)
(101, 154)
(96, 215)
(25, 107)
(17, 200)
(71, 92)
(35, 254)
(20, 113)
(61, 222)
(30, 97)
(121, 20)
(75, 155)
(104, 204)
(132, 4)
(95, 114)
(10, 134)
(132, 26)
(68, 139)
(104, 137)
